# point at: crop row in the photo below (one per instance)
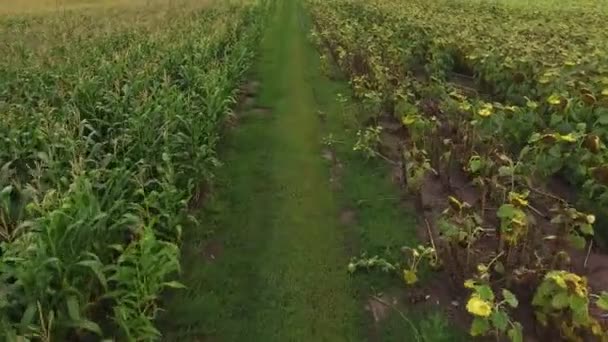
(104, 140)
(557, 82)
(507, 117)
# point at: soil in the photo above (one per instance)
(198, 200)
(434, 294)
(257, 112)
(336, 169)
(348, 217)
(246, 97)
(251, 88)
(212, 250)
(381, 307)
(432, 200)
(465, 83)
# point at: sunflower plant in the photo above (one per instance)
(418, 254)
(513, 219)
(368, 141)
(460, 227)
(562, 300)
(490, 315)
(574, 226)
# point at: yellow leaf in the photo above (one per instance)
(481, 268)
(469, 284)
(409, 119)
(518, 222)
(479, 307)
(580, 290)
(454, 203)
(596, 329)
(568, 137)
(554, 99)
(410, 277)
(518, 199)
(558, 279)
(465, 106)
(571, 277)
(415, 253)
(486, 110)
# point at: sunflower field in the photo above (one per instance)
(503, 107)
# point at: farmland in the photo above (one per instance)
(505, 105)
(306, 170)
(110, 119)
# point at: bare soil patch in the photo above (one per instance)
(212, 250)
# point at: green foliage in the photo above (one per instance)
(489, 313)
(513, 220)
(563, 298)
(512, 115)
(574, 225)
(368, 141)
(370, 263)
(104, 139)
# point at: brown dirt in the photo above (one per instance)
(230, 121)
(391, 125)
(348, 217)
(328, 155)
(465, 83)
(248, 102)
(201, 194)
(254, 112)
(212, 250)
(397, 176)
(419, 73)
(259, 112)
(250, 88)
(392, 137)
(246, 97)
(391, 145)
(380, 306)
(437, 294)
(336, 168)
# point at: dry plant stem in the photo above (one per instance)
(536, 211)
(428, 229)
(391, 198)
(542, 193)
(495, 258)
(588, 254)
(468, 261)
(387, 159)
(416, 332)
(483, 198)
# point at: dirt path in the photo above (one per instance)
(275, 269)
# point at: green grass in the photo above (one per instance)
(282, 273)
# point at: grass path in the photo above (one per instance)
(272, 222)
(281, 275)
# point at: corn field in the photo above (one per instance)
(109, 124)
